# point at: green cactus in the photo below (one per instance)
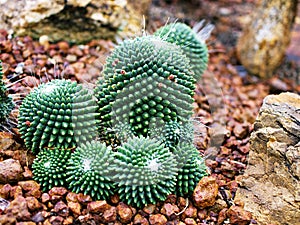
(192, 44)
(49, 168)
(145, 171)
(58, 114)
(191, 168)
(146, 81)
(6, 102)
(89, 170)
(173, 133)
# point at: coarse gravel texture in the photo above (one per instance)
(227, 101)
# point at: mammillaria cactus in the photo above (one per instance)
(191, 168)
(173, 133)
(58, 114)
(89, 170)
(145, 171)
(146, 81)
(6, 102)
(190, 41)
(49, 168)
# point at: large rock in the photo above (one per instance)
(73, 20)
(261, 47)
(10, 171)
(270, 186)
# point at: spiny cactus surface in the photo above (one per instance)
(173, 133)
(49, 168)
(89, 170)
(145, 171)
(146, 81)
(58, 114)
(193, 46)
(191, 168)
(6, 102)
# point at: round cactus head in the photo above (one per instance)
(192, 43)
(49, 168)
(147, 82)
(145, 171)
(191, 168)
(6, 102)
(58, 114)
(89, 170)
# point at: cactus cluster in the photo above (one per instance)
(6, 102)
(143, 103)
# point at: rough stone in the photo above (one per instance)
(124, 212)
(84, 199)
(33, 204)
(238, 215)
(140, 220)
(61, 209)
(74, 21)
(10, 171)
(75, 207)
(7, 219)
(205, 192)
(98, 206)
(109, 215)
(149, 209)
(26, 223)
(261, 48)
(18, 209)
(190, 212)
(31, 188)
(157, 219)
(270, 187)
(5, 190)
(60, 191)
(169, 209)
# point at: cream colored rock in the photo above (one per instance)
(270, 186)
(73, 20)
(262, 45)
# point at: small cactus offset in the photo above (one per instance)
(146, 81)
(145, 171)
(191, 168)
(89, 170)
(58, 114)
(6, 102)
(49, 168)
(193, 45)
(173, 133)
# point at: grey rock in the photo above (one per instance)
(73, 20)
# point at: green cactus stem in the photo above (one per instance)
(145, 171)
(191, 168)
(192, 43)
(89, 170)
(49, 168)
(58, 114)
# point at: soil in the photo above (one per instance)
(227, 101)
